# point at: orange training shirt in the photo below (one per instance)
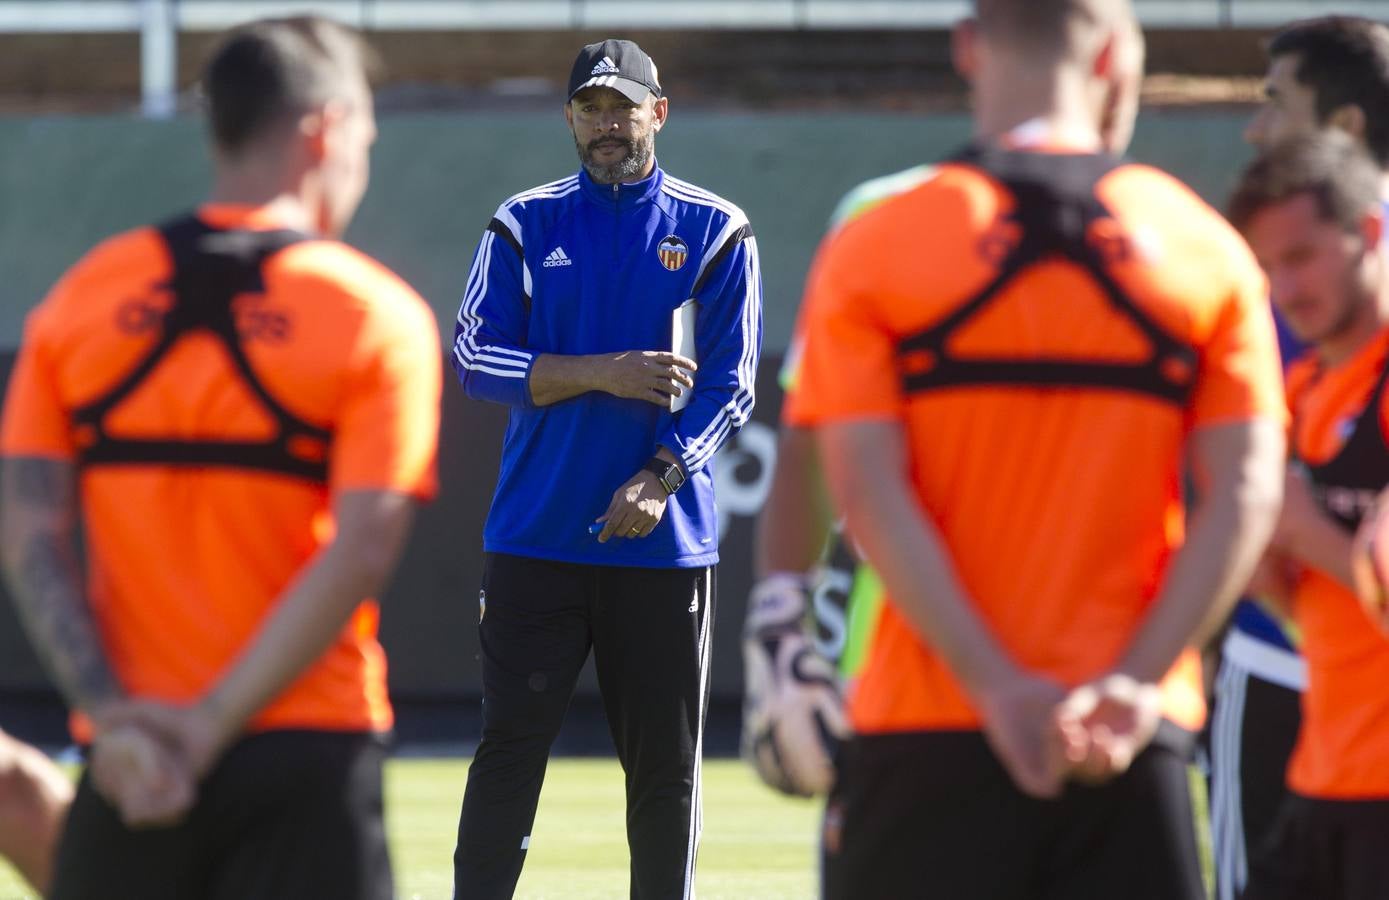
(184, 563)
(1060, 507)
(1342, 749)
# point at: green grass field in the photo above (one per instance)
(756, 844)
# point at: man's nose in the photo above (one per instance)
(1254, 131)
(1281, 285)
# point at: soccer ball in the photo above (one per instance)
(793, 717)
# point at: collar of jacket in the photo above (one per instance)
(625, 194)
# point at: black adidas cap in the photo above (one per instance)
(620, 65)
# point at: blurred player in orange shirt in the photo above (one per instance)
(1312, 212)
(1010, 365)
(243, 411)
(792, 704)
(1329, 73)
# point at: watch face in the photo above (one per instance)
(669, 474)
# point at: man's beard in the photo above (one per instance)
(1360, 301)
(639, 153)
(1356, 299)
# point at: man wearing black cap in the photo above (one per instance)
(617, 313)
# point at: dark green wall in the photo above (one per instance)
(67, 182)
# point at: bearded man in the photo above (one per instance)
(617, 313)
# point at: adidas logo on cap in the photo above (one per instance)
(557, 258)
(617, 65)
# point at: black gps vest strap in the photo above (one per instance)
(1345, 486)
(210, 268)
(1055, 206)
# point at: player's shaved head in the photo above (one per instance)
(1050, 29)
(267, 70)
(1080, 61)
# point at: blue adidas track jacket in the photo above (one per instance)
(575, 268)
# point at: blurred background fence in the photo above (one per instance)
(580, 14)
(159, 22)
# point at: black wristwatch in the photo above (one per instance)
(670, 474)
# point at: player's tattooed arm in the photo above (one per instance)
(38, 549)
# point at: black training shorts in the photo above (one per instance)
(934, 814)
(285, 815)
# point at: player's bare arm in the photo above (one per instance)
(650, 375)
(1274, 581)
(1307, 535)
(1239, 479)
(865, 465)
(38, 533)
(1110, 720)
(1368, 570)
(796, 518)
(1238, 468)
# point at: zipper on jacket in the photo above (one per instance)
(617, 223)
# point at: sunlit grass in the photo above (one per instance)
(756, 844)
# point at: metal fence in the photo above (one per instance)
(160, 21)
(129, 15)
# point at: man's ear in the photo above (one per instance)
(660, 111)
(569, 115)
(1372, 226)
(1350, 118)
(1106, 62)
(316, 125)
(964, 48)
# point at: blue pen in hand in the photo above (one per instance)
(595, 528)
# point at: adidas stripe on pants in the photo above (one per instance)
(1254, 724)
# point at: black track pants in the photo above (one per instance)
(649, 630)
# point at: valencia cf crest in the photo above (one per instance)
(673, 252)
